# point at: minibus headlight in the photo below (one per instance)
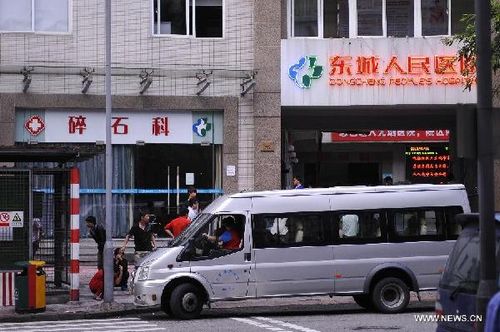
(143, 273)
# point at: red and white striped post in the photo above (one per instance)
(7, 288)
(74, 264)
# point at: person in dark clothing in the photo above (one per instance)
(144, 239)
(98, 233)
(120, 268)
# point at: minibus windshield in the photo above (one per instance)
(191, 230)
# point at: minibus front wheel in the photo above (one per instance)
(391, 295)
(186, 301)
(363, 300)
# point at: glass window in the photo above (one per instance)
(222, 235)
(15, 15)
(359, 226)
(169, 17)
(369, 17)
(305, 18)
(434, 17)
(208, 18)
(453, 227)
(418, 223)
(462, 268)
(458, 9)
(172, 17)
(399, 15)
(51, 15)
(336, 19)
(289, 230)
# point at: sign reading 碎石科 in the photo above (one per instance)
(127, 127)
(374, 71)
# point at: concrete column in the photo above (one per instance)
(267, 94)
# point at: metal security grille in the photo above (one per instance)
(14, 217)
(51, 201)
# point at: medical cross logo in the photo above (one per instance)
(34, 125)
(306, 70)
(201, 127)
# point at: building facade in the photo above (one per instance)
(370, 92)
(193, 94)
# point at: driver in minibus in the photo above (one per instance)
(228, 237)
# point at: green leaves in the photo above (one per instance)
(467, 40)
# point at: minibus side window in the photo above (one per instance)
(417, 225)
(221, 236)
(359, 226)
(289, 230)
(453, 229)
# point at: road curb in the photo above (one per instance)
(56, 316)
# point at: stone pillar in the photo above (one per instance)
(267, 94)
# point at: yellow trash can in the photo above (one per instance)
(30, 287)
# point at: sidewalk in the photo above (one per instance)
(87, 307)
(123, 305)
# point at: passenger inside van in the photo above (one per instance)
(412, 226)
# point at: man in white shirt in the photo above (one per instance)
(194, 208)
(349, 225)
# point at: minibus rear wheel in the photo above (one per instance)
(186, 301)
(391, 295)
(363, 300)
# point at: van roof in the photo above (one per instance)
(349, 190)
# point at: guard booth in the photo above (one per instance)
(26, 193)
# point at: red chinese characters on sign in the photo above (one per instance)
(34, 125)
(367, 65)
(118, 125)
(160, 126)
(412, 70)
(76, 124)
(393, 136)
(340, 64)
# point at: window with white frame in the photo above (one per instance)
(197, 18)
(320, 18)
(370, 17)
(34, 16)
(383, 18)
(399, 15)
(435, 20)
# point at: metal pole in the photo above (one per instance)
(487, 284)
(108, 247)
(168, 192)
(177, 179)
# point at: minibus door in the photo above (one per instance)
(228, 271)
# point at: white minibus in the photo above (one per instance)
(373, 243)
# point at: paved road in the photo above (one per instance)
(345, 319)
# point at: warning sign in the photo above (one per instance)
(4, 219)
(17, 219)
(12, 219)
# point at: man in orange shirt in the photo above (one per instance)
(176, 226)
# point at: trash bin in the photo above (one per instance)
(30, 287)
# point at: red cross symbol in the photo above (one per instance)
(34, 125)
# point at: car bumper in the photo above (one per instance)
(148, 292)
